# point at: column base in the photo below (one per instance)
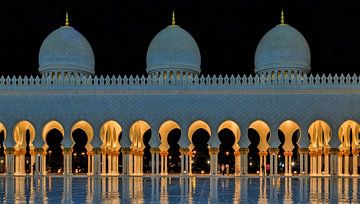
(19, 174)
(288, 174)
(355, 175)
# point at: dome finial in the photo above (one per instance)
(282, 22)
(67, 19)
(173, 18)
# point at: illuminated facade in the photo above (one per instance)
(316, 116)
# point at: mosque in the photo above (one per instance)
(282, 120)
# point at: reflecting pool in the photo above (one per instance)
(58, 189)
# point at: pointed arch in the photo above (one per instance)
(136, 134)
(3, 128)
(87, 128)
(164, 130)
(197, 125)
(349, 135)
(53, 124)
(263, 129)
(109, 135)
(288, 128)
(234, 128)
(320, 135)
(19, 133)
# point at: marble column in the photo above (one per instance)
(96, 164)
(154, 152)
(67, 152)
(244, 161)
(340, 165)
(319, 162)
(346, 162)
(90, 163)
(126, 160)
(9, 164)
(333, 161)
(355, 162)
(43, 162)
(184, 161)
(103, 162)
(326, 162)
(304, 153)
(273, 160)
(20, 162)
(237, 163)
(262, 163)
(214, 151)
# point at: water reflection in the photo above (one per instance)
(178, 190)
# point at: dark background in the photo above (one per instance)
(227, 32)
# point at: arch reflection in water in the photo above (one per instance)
(177, 189)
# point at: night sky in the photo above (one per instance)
(227, 33)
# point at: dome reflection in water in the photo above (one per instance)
(177, 189)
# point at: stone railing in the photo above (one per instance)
(209, 81)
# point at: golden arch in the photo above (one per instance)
(348, 128)
(234, 128)
(320, 134)
(164, 131)
(136, 133)
(87, 128)
(3, 128)
(262, 128)
(48, 127)
(19, 133)
(109, 135)
(288, 128)
(195, 126)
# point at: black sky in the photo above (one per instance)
(227, 32)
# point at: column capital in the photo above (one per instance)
(10, 150)
(244, 150)
(263, 153)
(214, 150)
(346, 152)
(334, 150)
(354, 152)
(154, 150)
(163, 153)
(96, 150)
(126, 150)
(20, 152)
(273, 150)
(288, 153)
(67, 150)
(237, 153)
(313, 153)
(184, 150)
(304, 150)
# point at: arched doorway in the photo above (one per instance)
(24, 135)
(226, 152)
(174, 160)
(2, 151)
(54, 156)
(110, 134)
(170, 161)
(140, 132)
(79, 154)
(253, 155)
(259, 134)
(289, 135)
(200, 152)
(349, 137)
(320, 135)
(147, 153)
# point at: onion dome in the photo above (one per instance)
(283, 49)
(173, 50)
(66, 51)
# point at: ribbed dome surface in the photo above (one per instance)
(283, 48)
(66, 50)
(173, 49)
